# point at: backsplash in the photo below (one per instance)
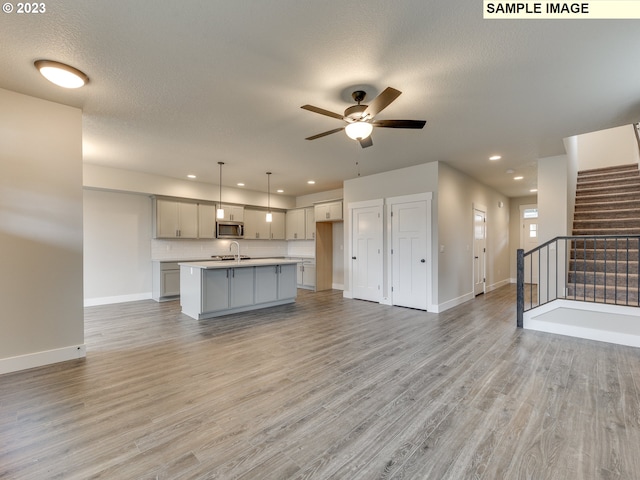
(203, 249)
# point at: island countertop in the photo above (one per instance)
(253, 262)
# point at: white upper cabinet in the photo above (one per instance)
(296, 225)
(310, 223)
(175, 219)
(328, 212)
(233, 213)
(206, 220)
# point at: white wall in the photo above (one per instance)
(452, 213)
(40, 232)
(606, 148)
(457, 194)
(117, 246)
(553, 214)
(309, 200)
(106, 178)
(405, 181)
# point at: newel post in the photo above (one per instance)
(520, 289)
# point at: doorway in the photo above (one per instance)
(366, 252)
(409, 251)
(529, 239)
(479, 249)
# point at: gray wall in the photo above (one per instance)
(40, 230)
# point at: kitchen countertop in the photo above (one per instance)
(254, 262)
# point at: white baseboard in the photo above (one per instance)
(347, 294)
(92, 302)
(39, 359)
(337, 286)
(453, 302)
(499, 284)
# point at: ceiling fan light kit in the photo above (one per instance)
(358, 130)
(359, 117)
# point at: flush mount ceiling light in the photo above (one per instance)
(62, 75)
(220, 210)
(358, 130)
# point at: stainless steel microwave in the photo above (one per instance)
(229, 230)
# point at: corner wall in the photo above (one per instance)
(40, 232)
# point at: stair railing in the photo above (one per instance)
(586, 268)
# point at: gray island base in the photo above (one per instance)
(213, 288)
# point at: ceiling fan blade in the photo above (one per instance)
(415, 124)
(324, 134)
(381, 102)
(322, 111)
(366, 142)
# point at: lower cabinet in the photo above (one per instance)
(306, 275)
(212, 292)
(165, 281)
(275, 282)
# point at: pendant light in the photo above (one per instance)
(220, 210)
(269, 215)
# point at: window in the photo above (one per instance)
(530, 213)
(533, 230)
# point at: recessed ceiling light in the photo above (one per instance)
(311, 182)
(533, 190)
(240, 184)
(280, 190)
(518, 178)
(495, 157)
(191, 176)
(62, 75)
(510, 171)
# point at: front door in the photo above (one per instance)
(366, 249)
(409, 254)
(479, 250)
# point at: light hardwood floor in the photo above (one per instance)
(327, 388)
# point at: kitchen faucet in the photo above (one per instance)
(237, 245)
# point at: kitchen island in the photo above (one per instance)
(215, 288)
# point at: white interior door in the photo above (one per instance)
(479, 250)
(409, 254)
(366, 250)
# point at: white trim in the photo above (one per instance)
(481, 208)
(534, 320)
(39, 359)
(453, 302)
(134, 297)
(337, 286)
(497, 285)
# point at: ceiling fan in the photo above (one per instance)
(359, 117)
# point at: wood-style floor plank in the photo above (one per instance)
(326, 388)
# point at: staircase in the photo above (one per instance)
(605, 269)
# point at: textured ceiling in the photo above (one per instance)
(178, 86)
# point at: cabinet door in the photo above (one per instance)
(287, 277)
(215, 290)
(277, 226)
(206, 220)
(233, 213)
(167, 218)
(266, 283)
(295, 224)
(188, 215)
(310, 223)
(335, 211)
(241, 287)
(309, 275)
(255, 225)
(170, 283)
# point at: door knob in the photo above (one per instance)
(353, 258)
(422, 261)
